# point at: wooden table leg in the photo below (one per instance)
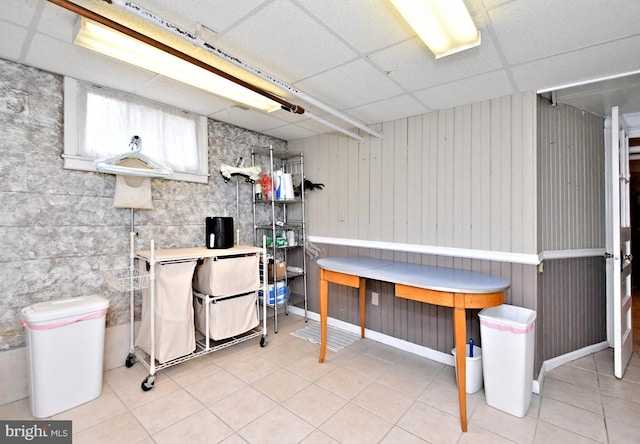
(460, 332)
(324, 290)
(363, 291)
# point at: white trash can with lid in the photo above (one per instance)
(508, 338)
(65, 347)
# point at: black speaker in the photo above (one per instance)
(219, 232)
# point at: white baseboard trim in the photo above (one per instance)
(556, 362)
(400, 344)
(445, 358)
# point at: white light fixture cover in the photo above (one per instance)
(445, 26)
(107, 41)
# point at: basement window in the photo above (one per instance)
(99, 123)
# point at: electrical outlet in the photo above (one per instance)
(374, 298)
(341, 215)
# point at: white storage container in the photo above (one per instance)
(473, 369)
(223, 276)
(508, 339)
(227, 316)
(65, 343)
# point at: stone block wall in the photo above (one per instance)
(58, 230)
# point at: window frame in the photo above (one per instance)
(75, 110)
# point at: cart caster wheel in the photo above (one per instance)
(131, 359)
(147, 384)
(263, 341)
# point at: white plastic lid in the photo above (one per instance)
(63, 308)
(508, 315)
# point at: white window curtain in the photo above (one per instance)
(100, 123)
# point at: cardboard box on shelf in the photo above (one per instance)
(281, 267)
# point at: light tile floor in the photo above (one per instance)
(366, 393)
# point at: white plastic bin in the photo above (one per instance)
(65, 344)
(473, 369)
(508, 339)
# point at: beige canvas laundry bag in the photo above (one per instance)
(174, 332)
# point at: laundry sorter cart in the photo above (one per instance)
(170, 333)
(225, 293)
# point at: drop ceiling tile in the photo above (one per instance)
(287, 116)
(317, 45)
(414, 67)
(57, 22)
(353, 84)
(586, 64)
(275, 122)
(330, 123)
(82, 64)
(366, 25)
(600, 103)
(288, 132)
(465, 91)
(489, 3)
(12, 39)
(217, 15)
(389, 109)
(164, 90)
(285, 42)
(19, 12)
(632, 120)
(530, 30)
(626, 99)
(626, 83)
(314, 126)
(250, 119)
(322, 122)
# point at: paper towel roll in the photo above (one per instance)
(291, 238)
(288, 186)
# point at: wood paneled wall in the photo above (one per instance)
(571, 188)
(509, 175)
(571, 195)
(572, 305)
(463, 177)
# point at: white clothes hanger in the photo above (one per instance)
(133, 163)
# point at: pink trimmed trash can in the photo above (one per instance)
(65, 344)
(508, 338)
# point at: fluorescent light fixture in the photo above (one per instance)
(107, 41)
(445, 26)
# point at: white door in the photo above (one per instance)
(618, 243)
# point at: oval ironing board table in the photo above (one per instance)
(447, 287)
